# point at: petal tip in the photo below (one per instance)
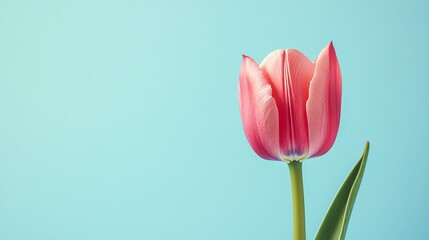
(247, 58)
(331, 47)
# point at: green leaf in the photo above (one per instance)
(334, 226)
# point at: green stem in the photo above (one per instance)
(295, 169)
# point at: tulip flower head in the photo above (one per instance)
(290, 107)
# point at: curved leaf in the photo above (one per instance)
(334, 226)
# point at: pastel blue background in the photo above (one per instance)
(120, 120)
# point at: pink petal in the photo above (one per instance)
(289, 72)
(324, 103)
(258, 111)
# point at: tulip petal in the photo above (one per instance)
(324, 103)
(289, 72)
(258, 111)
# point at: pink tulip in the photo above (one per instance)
(290, 107)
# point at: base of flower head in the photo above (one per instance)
(289, 159)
